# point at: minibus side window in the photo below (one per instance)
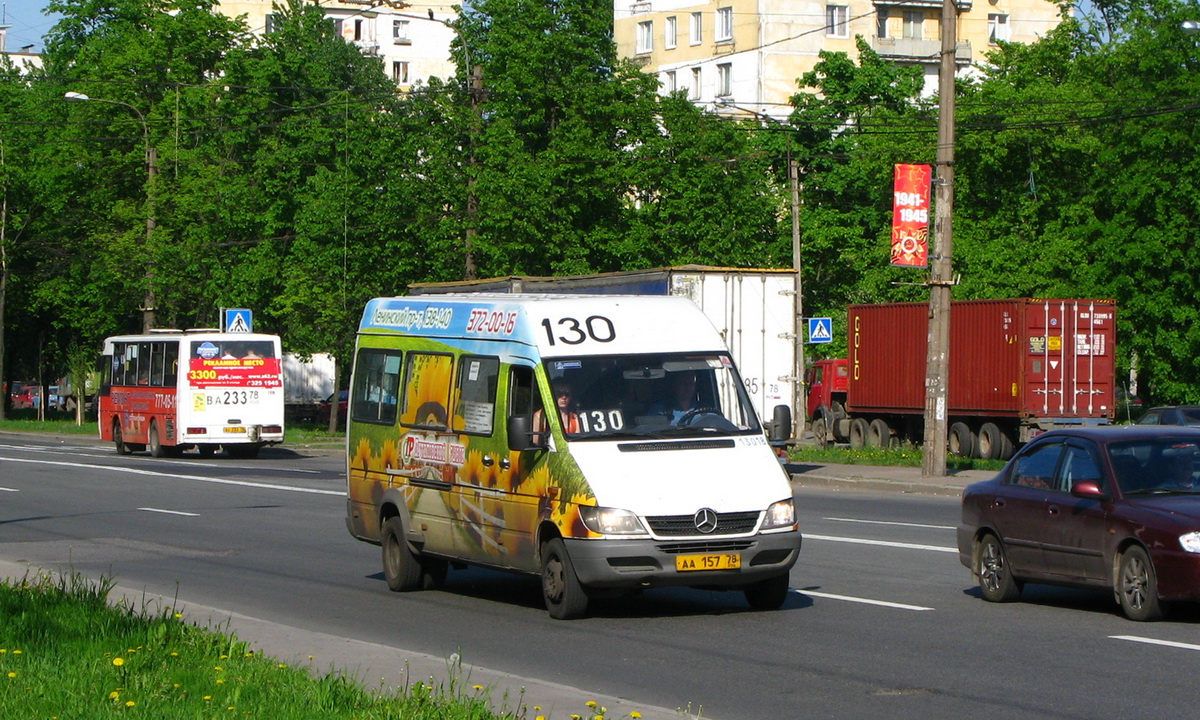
(376, 386)
(157, 355)
(475, 410)
(523, 401)
(171, 365)
(427, 390)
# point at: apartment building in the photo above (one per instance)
(750, 54)
(23, 58)
(413, 41)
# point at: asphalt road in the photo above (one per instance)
(883, 621)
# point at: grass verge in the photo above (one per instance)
(904, 456)
(66, 652)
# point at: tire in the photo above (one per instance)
(564, 594)
(1137, 587)
(820, 430)
(768, 594)
(996, 581)
(401, 567)
(1006, 447)
(879, 434)
(156, 447)
(990, 441)
(119, 439)
(858, 433)
(962, 441)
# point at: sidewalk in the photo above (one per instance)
(882, 478)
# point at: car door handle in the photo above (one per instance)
(998, 502)
(1052, 509)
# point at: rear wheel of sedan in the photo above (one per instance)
(991, 567)
(1137, 588)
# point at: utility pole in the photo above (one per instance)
(476, 95)
(798, 395)
(941, 276)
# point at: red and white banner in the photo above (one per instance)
(910, 216)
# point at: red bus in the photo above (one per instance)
(172, 390)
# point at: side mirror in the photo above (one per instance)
(520, 436)
(1088, 490)
(781, 424)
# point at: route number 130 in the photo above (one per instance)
(573, 332)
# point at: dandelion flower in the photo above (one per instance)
(130, 703)
(281, 666)
(114, 695)
(118, 661)
(635, 715)
(12, 674)
(218, 668)
(207, 698)
(591, 704)
(476, 687)
(220, 681)
(174, 654)
(17, 652)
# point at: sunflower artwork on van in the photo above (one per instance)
(448, 456)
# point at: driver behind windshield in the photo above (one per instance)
(681, 398)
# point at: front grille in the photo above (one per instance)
(718, 546)
(732, 523)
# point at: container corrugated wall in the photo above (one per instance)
(1014, 358)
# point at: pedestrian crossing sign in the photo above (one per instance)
(238, 320)
(820, 330)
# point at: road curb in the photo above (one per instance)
(864, 484)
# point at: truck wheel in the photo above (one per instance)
(962, 441)
(879, 434)
(401, 568)
(858, 433)
(1006, 447)
(767, 594)
(991, 441)
(820, 430)
(564, 595)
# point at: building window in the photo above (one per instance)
(400, 32)
(697, 25)
(914, 25)
(997, 29)
(695, 84)
(400, 72)
(670, 83)
(837, 21)
(724, 29)
(645, 36)
(670, 33)
(724, 79)
(881, 22)
(360, 31)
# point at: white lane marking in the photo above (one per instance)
(881, 543)
(199, 478)
(1152, 641)
(888, 522)
(91, 452)
(4, 489)
(864, 601)
(170, 512)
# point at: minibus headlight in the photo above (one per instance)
(610, 521)
(780, 514)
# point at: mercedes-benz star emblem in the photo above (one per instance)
(706, 520)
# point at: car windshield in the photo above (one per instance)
(651, 395)
(1156, 466)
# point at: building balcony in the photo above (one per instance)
(911, 50)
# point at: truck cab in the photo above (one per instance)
(827, 382)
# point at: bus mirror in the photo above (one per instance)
(781, 423)
(520, 436)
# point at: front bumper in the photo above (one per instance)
(645, 562)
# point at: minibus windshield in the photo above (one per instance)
(650, 395)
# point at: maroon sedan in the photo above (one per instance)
(1114, 508)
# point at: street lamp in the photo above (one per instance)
(148, 310)
(799, 400)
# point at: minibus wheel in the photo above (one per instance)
(767, 594)
(156, 447)
(401, 568)
(564, 594)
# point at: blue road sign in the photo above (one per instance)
(239, 320)
(820, 330)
